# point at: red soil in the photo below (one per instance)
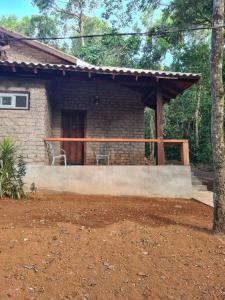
(61, 246)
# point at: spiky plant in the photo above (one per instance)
(12, 170)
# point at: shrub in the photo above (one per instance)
(12, 170)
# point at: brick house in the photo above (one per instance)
(45, 93)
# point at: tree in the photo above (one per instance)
(108, 50)
(217, 125)
(69, 10)
(33, 26)
(196, 12)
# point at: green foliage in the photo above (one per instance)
(33, 26)
(12, 170)
(71, 12)
(114, 51)
(189, 115)
(189, 12)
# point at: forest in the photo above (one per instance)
(179, 47)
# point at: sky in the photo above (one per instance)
(22, 8)
(19, 8)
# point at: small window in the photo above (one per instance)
(7, 101)
(14, 100)
(21, 101)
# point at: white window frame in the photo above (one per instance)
(13, 103)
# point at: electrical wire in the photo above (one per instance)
(151, 33)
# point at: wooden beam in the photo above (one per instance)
(115, 140)
(168, 95)
(160, 155)
(170, 92)
(160, 142)
(147, 96)
(185, 154)
(178, 85)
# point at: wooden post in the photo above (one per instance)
(184, 147)
(160, 155)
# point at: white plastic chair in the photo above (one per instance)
(100, 156)
(52, 154)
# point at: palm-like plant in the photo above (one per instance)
(12, 170)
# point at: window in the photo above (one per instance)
(14, 100)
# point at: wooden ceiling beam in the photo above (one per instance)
(181, 85)
(149, 95)
(170, 92)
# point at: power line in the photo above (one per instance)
(151, 33)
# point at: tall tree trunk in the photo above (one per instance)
(81, 22)
(197, 116)
(217, 125)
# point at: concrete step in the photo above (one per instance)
(205, 197)
(195, 180)
(197, 184)
(199, 187)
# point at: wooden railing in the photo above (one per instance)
(184, 147)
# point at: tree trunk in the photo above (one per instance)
(197, 117)
(81, 22)
(217, 124)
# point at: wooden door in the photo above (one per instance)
(73, 127)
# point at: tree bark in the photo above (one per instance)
(81, 22)
(217, 122)
(197, 116)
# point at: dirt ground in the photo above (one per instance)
(78, 247)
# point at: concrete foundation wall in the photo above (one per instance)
(147, 181)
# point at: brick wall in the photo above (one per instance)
(27, 127)
(119, 114)
(22, 52)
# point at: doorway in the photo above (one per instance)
(73, 126)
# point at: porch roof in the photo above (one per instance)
(143, 81)
(104, 69)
